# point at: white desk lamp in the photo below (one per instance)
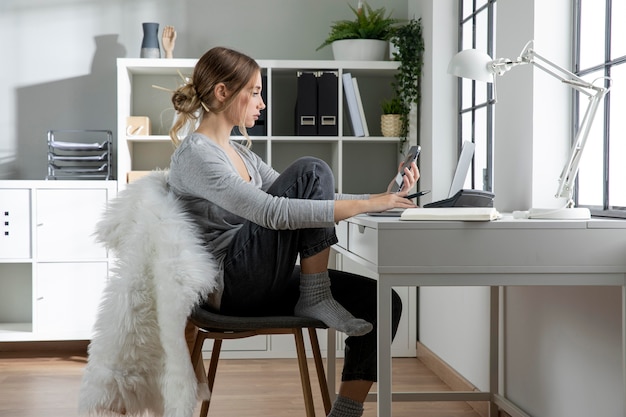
(478, 65)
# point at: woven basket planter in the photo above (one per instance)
(391, 124)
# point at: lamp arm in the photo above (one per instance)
(565, 76)
(570, 170)
(530, 56)
(593, 92)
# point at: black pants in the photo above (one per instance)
(261, 276)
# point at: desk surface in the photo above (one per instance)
(506, 222)
(507, 246)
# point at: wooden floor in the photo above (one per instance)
(36, 385)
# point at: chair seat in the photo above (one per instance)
(211, 325)
(206, 319)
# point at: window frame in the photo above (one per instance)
(606, 210)
(484, 181)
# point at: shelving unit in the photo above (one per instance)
(52, 272)
(360, 164)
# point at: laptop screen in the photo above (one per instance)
(462, 168)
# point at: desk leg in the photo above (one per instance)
(494, 349)
(624, 344)
(331, 362)
(384, 348)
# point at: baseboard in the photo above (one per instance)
(43, 348)
(450, 377)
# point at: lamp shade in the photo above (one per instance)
(473, 64)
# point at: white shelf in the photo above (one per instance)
(156, 66)
(10, 328)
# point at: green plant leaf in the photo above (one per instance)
(368, 24)
(409, 42)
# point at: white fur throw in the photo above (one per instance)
(139, 363)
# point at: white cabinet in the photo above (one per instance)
(67, 296)
(360, 164)
(65, 221)
(15, 228)
(52, 271)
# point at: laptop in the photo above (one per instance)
(462, 168)
(459, 197)
(456, 187)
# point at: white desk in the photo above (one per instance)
(499, 253)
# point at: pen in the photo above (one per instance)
(418, 194)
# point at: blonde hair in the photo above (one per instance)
(193, 99)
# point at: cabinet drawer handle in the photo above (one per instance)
(361, 229)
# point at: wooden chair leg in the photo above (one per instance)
(195, 339)
(319, 368)
(215, 356)
(304, 373)
(196, 350)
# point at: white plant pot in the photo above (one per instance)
(359, 49)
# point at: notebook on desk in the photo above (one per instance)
(451, 213)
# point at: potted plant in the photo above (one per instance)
(364, 38)
(409, 45)
(391, 119)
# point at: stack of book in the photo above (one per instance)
(87, 157)
(355, 105)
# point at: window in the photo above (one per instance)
(599, 54)
(475, 113)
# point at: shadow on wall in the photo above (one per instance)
(87, 102)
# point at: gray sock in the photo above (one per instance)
(345, 407)
(316, 301)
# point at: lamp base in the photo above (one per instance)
(572, 213)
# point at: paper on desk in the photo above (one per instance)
(451, 213)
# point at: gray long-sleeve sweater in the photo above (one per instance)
(202, 175)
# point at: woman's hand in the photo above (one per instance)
(387, 201)
(409, 179)
(376, 203)
(383, 201)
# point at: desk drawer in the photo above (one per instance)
(362, 241)
(342, 234)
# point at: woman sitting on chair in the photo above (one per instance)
(256, 222)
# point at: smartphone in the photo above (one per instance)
(411, 156)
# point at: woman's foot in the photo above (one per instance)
(316, 301)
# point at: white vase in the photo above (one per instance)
(359, 49)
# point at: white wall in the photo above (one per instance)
(532, 128)
(453, 322)
(58, 68)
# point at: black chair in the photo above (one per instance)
(219, 327)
